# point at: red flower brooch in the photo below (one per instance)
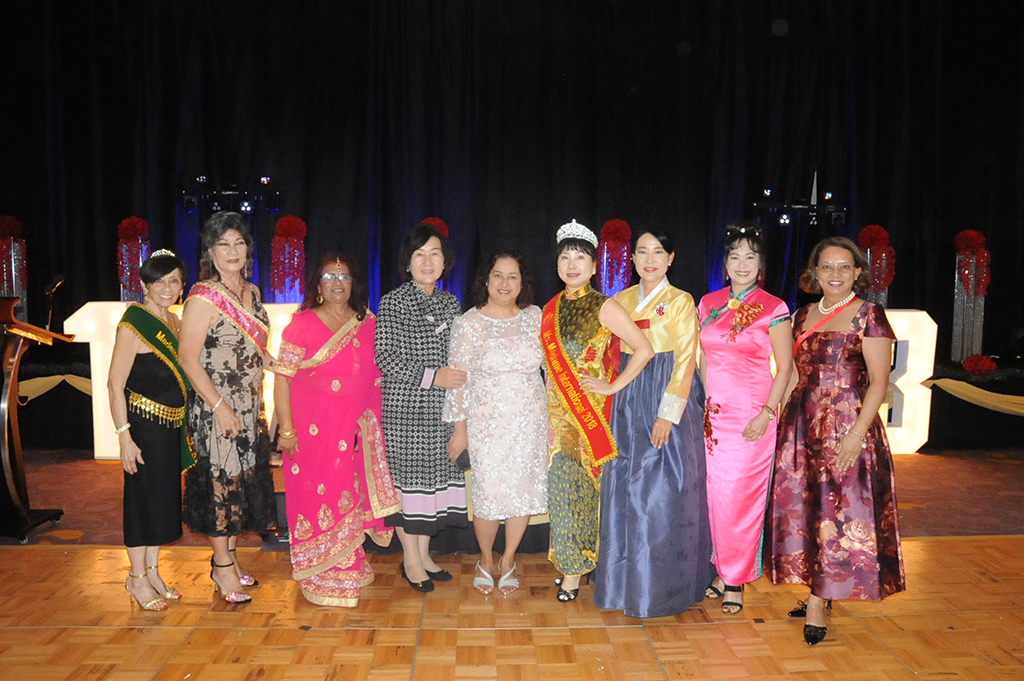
(660, 310)
(746, 314)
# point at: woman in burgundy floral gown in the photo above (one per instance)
(833, 506)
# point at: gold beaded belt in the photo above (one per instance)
(166, 416)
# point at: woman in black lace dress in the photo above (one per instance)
(224, 333)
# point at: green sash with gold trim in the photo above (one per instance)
(159, 338)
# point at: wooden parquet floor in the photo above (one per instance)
(64, 614)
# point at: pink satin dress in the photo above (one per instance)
(737, 353)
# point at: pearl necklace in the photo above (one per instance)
(826, 310)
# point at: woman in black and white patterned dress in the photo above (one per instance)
(412, 338)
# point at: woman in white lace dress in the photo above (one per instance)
(500, 414)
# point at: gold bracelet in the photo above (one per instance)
(863, 421)
(771, 412)
(286, 433)
(126, 426)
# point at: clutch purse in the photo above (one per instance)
(463, 461)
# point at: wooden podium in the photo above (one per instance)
(17, 517)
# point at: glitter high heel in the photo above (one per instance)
(157, 603)
(171, 593)
(246, 580)
(232, 597)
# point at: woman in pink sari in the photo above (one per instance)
(327, 395)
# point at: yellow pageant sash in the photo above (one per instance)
(562, 373)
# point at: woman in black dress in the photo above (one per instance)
(224, 333)
(147, 400)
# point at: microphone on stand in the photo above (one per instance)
(58, 279)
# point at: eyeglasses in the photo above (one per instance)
(842, 267)
(342, 277)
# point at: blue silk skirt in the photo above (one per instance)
(655, 557)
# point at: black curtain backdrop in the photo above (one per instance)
(507, 119)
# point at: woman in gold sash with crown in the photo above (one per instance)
(147, 400)
(224, 332)
(577, 331)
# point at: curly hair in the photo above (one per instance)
(358, 296)
(217, 226)
(809, 278)
(483, 273)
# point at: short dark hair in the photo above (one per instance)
(357, 299)
(809, 279)
(749, 231)
(574, 244)
(156, 267)
(483, 273)
(415, 240)
(217, 226)
(664, 239)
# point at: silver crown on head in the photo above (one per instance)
(162, 251)
(574, 230)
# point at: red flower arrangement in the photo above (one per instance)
(436, 223)
(875, 241)
(616, 231)
(970, 244)
(133, 228)
(10, 227)
(873, 236)
(979, 364)
(288, 255)
(290, 227)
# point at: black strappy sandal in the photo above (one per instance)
(734, 604)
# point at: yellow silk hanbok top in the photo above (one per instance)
(668, 317)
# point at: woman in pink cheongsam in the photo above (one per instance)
(742, 327)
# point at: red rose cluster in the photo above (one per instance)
(970, 242)
(616, 231)
(436, 223)
(979, 364)
(873, 236)
(133, 228)
(290, 227)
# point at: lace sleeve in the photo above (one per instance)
(460, 355)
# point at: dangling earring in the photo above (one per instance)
(180, 295)
(319, 299)
(145, 297)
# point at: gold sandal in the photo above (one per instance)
(157, 603)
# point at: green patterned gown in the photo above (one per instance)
(574, 481)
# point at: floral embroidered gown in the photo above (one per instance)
(737, 354)
(838, 534)
(338, 486)
(229, 491)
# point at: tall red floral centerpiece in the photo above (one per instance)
(874, 241)
(13, 270)
(969, 289)
(613, 267)
(288, 260)
(132, 250)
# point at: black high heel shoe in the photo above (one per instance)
(569, 595)
(441, 575)
(801, 608)
(732, 604)
(246, 580)
(813, 634)
(426, 586)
